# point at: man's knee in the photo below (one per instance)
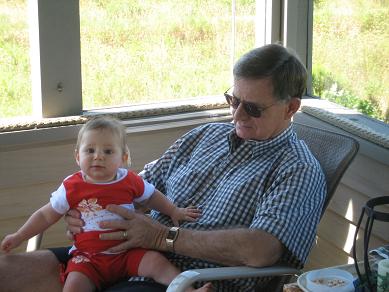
(34, 271)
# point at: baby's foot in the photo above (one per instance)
(206, 288)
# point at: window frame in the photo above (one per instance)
(56, 62)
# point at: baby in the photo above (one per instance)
(101, 152)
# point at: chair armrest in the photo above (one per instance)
(34, 243)
(187, 278)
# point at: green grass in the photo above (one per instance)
(133, 51)
(144, 51)
(15, 84)
(158, 55)
(351, 54)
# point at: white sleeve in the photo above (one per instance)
(148, 191)
(58, 200)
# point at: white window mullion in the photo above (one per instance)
(268, 22)
(297, 31)
(55, 57)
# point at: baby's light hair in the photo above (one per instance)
(106, 123)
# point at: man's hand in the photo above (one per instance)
(74, 223)
(185, 214)
(141, 231)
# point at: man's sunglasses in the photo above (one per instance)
(250, 108)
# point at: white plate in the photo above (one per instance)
(302, 282)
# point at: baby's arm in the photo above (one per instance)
(159, 202)
(37, 223)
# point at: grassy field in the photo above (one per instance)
(351, 54)
(134, 51)
(145, 51)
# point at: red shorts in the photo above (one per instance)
(106, 269)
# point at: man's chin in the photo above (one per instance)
(243, 134)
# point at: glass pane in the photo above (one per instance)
(136, 52)
(15, 82)
(351, 54)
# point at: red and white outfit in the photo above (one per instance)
(89, 256)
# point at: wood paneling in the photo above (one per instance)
(29, 174)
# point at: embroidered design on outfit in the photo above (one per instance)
(80, 259)
(89, 207)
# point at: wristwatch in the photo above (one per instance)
(171, 238)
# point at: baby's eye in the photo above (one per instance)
(108, 151)
(90, 150)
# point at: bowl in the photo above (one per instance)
(330, 280)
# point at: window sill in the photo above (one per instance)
(371, 134)
(137, 119)
(349, 120)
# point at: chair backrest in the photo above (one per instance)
(334, 152)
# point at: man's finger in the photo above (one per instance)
(121, 247)
(74, 213)
(116, 235)
(114, 224)
(125, 213)
(69, 235)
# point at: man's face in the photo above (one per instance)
(275, 117)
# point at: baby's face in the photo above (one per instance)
(100, 155)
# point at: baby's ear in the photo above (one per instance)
(77, 156)
(126, 160)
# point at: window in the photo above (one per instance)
(351, 54)
(132, 52)
(150, 51)
(15, 82)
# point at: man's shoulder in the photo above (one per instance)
(299, 154)
(205, 134)
(214, 128)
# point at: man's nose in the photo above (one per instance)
(240, 111)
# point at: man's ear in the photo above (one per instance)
(293, 106)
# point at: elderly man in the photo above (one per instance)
(260, 189)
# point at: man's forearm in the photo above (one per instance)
(230, 247)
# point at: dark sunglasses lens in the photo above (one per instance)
(249, 108)
(252, 110)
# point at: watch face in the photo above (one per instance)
(172, 234)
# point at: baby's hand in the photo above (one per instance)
(185, 214)
(10, 242)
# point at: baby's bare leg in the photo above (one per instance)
(154, 265)
(33, 271)
(76, 281)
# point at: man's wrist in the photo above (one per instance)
(171, 238)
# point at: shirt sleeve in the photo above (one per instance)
(291, 208)
(147, 192)
(58, 200)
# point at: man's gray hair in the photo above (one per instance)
(281, 65)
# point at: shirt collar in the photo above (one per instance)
(258, 147)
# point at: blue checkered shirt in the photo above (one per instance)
(275, 185)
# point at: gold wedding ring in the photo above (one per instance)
(124, 235)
